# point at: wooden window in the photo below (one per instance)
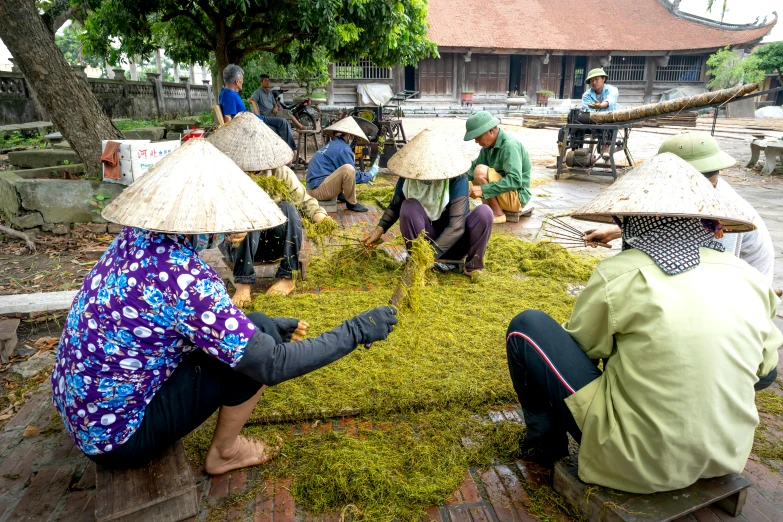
(626, 69)
(681, 69)
(362, 70)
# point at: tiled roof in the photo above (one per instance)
(575, 25)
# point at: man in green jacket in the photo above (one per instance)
(501, 173)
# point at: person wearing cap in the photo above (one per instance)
(267, 105)
(153, 346)
(675, 400)
(432, 196)
(501, 173)
(600, 97)
(231, 104)
(331, 171)
(703, 152)
(260, 152)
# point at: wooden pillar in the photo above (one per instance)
(330, 85)
(649, 73)
(398, 78)
(455, 81)
(534, 76)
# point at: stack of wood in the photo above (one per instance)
(541, 121)
(681, 119)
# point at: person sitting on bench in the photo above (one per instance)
(501, 173)
(684, 329)
(267, 105)
(331, 172)
(703, 152)
(434, 199)
(231, 104)
(153, 346)
(260, 152)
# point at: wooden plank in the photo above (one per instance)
(41, 302)
(162, 491)
(604, 505)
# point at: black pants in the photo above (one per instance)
(282, 128)
(283, 241)
(546, 366)
(198, 387)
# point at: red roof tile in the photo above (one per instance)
(575, 25)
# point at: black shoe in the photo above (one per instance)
(356, 207)
(341, 198)
(542, 454)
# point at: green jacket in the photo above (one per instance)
(675, 402)
(509, 159)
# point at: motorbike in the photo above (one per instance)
(304, 111)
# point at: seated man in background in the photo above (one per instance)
(331, 172)
(703, 153)
(600, 97)
(501, 173)
(267, 105)
(231, 104)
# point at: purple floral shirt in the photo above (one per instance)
(148, 301)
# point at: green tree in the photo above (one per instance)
(729, 70)
(389, 32)
(770, 59)
(72, 48)
(310, 77)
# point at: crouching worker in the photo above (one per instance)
(331, 172)
(501, 173)
(260, 152)
(682, 355)
(432, 196)
(153, 346)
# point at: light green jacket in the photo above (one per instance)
(676, 401)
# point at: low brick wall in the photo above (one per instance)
(118, 98)
(40, 199)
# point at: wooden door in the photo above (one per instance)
(436, 76)
(551, 74)
(488, 74)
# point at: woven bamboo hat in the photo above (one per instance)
(195, 190)
(428, 157)
(666, 186)
(347, 126)
(251, 144)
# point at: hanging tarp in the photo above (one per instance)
(669, 106)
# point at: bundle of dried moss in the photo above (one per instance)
(421, 257)
(276, 188)
(319, 232)
(379, 196)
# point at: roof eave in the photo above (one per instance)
(673, 7)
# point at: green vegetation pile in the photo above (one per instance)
(422, 396)
(275, 187)
(320, 232)
(380, 196)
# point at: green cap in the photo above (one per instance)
(478, 124)
(699, 149)
(594, 73)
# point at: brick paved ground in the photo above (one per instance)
(44, 477)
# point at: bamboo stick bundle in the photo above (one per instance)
(669, 106)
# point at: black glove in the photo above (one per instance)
(376, 324)
(286, 327)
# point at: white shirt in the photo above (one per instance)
(754, 247)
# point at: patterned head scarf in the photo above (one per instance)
(672, 242)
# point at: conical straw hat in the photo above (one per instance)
(347, 126)
(428, 156)
(195, 190)
(667, 186)
(251, 144)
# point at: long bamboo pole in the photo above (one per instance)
(669, 106)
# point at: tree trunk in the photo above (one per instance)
(67, 99)
(159, 64)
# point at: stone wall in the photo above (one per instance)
(119, 98)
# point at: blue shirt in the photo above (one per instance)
(230, 102)
(610, 94)
(329, 158)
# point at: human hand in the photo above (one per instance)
(318, 218)
(275, 109)
(373, 238)
(376, 324)
(602, 235)
(301, 331)
(235, 239)
(475, 192)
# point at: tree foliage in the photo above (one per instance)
(729, 70)
(310, 77)
(69, 42)
(770, 59)
(304, 33)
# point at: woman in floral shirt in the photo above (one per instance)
(153, 345)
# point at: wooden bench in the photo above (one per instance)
(773, 150)
(599, 504)
(162, 491)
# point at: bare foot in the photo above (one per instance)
(245, 452)
(282, 287)
(242, 295)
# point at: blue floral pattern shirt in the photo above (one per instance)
(149, 301)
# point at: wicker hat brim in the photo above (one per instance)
(428, 157)
(665, 186)
(195, 190)
(347, 126)
(251, 144)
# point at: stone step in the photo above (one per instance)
(40, 302)
(33, 159)
(145, 133)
